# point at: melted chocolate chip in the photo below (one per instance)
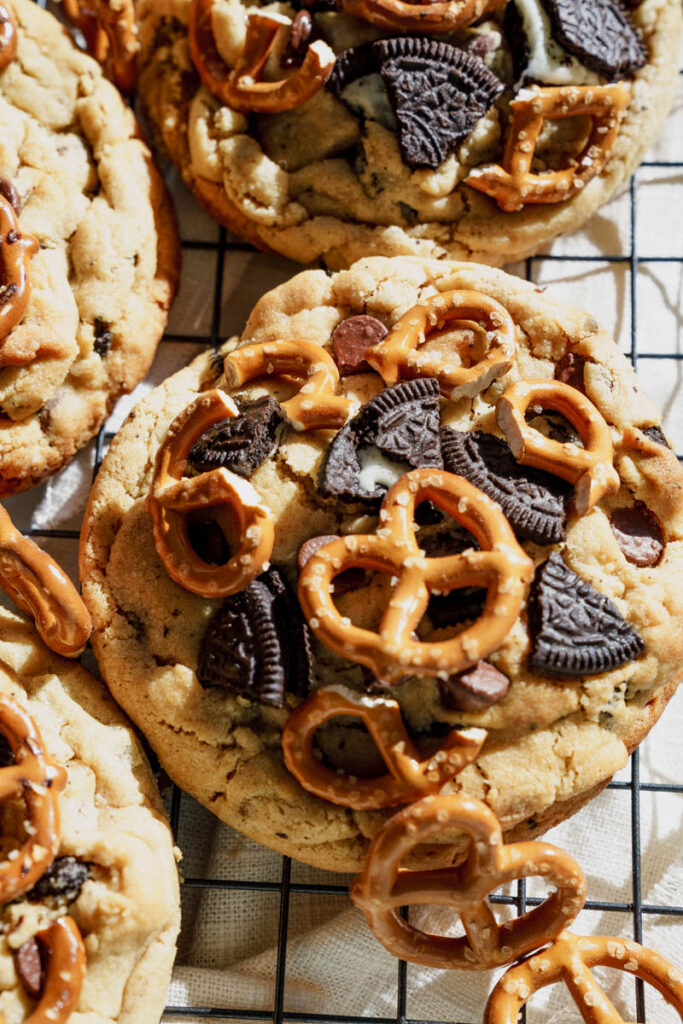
(351, 340)
(569, 370)
(29, 960)
(239, 443)
(476, 688)
(103, 337)
(638, 534)
(657, 435)
(9, 192)
(297, 43)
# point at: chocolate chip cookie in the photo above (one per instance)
(329, 130)
(459, 529)
(88, 882)
(89, 248)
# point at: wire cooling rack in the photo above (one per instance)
(627, 261)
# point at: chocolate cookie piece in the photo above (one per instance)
(599, 33)
(516, 38)
(438, 94)
(575, 630)
(534, 502)
(402, 424)
(239, 443)
(638, 534)
(63, 880)
(354, 63)
(476, 688)
(352, 338)
(257, 644)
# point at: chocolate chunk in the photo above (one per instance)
(311, 547)
(351, 579)
(297, 43)
(657, 435)
(599, 33)
(239, 443)
(354, 63)
(9, 192)
(516, 38)
(402, 423)
(257, 644)
(208, 540)
(476, 688)
(438, 94)
(534, 502)
(458, 606)
(569, 370)
(63, 880)
(351, 340)
(103, 337)
(638, 534)
(575, 631)
(31, 968)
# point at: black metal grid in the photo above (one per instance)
(224, 247)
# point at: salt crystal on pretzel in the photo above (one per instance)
(65, 970)
(111, 35)
(409, 777)
(436, 16)
(393, 652)
(570, 959)
(399, 355)
(513, 185)
(315, 406)
(172, 496)
(241, 88)
(590, 468)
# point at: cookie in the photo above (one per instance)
(411, 133)
(101, 885)
(211, 680)
(94, 226)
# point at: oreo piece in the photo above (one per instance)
(476, 688)
(402, 423)
(599, 33)
(354, 63)
(239, 443)
(208, 540)
(516, 38)
(458, 606)
(257, 644)
(638, 534)
(534, 502)
(63, 880)
(438, 94)
(575, 631)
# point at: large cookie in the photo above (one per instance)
(400, 152)
(114, 874)
(100, 282)
(203, 678)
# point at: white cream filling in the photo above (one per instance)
(548, 62)
(376, 469)
(368, 96)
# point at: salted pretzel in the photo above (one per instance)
(590, 468)
(394, 652)
(16, 251)
(408, 777)
(172, 496)
(433, 16)
(111, 36)
(65, 971)
(383, 887)
(40, 588)
(315, 406)
(513, 184)
(399, 355)
(570, 959)
(39, 781)
(242, 88)
(8, 38)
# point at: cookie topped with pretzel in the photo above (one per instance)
(415, 530)
(329, 130)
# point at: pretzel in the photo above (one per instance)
(241, 88)
(590, 468)
(570, 959)
(111, 36)
(8, 38)
(315, 406)
(433, 16)
(40, 588)
(383, 887)
(513, 185)
(398, 355)
(393, 652)
(16, 251)
(37, 779)
(408, 777)
(65, 972)
(172, 496)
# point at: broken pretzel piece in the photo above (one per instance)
(111, 36)
(64, 972)
(436, 16)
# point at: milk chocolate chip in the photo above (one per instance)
(638, 534)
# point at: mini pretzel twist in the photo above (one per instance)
(37, 779)
(16, 251)
(399, 356)
(242, 88)
(512, 185)
(570, 959)
(315, 406)
(384, 887)
(433, 16)
(65, 972)
(408, 777)
(172, 496)
(393, 652)
(8, 38)
(40, 588)
(111, 35)
(590, 468)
